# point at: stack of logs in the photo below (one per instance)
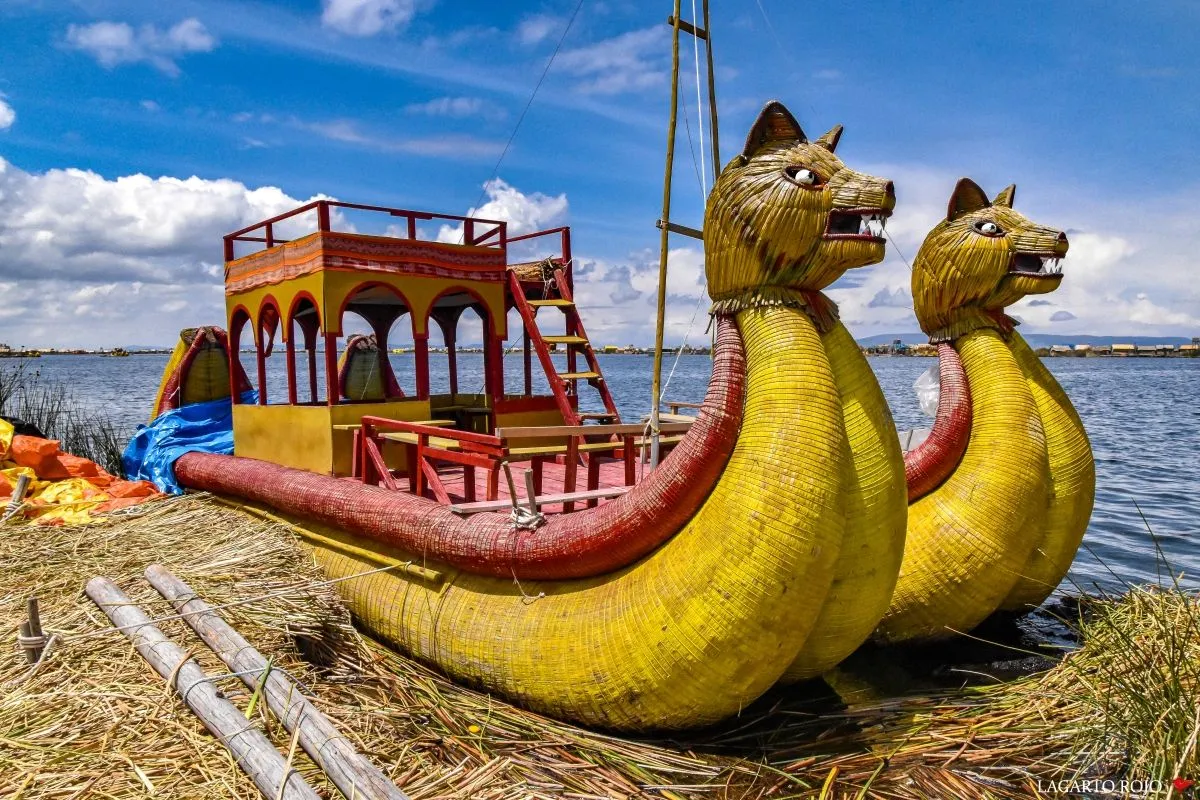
(355, 776)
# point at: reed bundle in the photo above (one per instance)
(92, 721)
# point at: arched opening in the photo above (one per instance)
(364, 368)
(403, 355)
(305, 377)
(266, 329)
(460, 327)
(237, 323)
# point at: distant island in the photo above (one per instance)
(1049, 344)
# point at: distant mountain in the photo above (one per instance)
(1037, 339)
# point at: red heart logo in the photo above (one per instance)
(1182, 783)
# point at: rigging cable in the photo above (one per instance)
(525, 110)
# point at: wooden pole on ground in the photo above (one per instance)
(354, 775)
(250, 747)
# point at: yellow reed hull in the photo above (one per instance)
(1070, 490)
(969, 540)
(691, 633)
(864, 575)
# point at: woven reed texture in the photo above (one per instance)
(963, 280)
(197, 371)
(365, 372)
(970, 538)
(763, 230)
(1072, 486)
(697, 629)
(876, 515)
(771, 241)
(931, 462)
(584, 543)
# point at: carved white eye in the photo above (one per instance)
(988, 228)
(803, 176)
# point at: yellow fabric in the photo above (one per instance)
(1071, 487)
(876, 515)
(64, 502)
(969, 539)
(6, 437)
(694, 631)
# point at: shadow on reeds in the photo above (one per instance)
(1094, 694)
(49, 407)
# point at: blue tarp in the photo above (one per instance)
(200, 427)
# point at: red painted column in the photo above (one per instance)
(528, 361)
(235, 361)
(421, 357)
(450, 337)
(493, 368)
(291, 362)
(332, 390)
(312, 372)
(262, 368)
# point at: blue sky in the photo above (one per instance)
(233, 110)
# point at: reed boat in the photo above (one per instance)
(1002, 489)
(527, 546)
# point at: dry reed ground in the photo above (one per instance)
(94, 721)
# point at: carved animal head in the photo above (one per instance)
(983, 257)
(788, 213)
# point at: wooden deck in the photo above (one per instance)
(611, 475)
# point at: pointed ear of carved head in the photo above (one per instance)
(774, 124)
(830, 140)
(1006, 196)
(967, 197)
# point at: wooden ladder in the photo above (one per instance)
(565, 385)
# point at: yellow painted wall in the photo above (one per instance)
(294, 436)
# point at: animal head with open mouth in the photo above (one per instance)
(788, 213)
(982, 258)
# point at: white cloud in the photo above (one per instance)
(115, 43)
(7, 115)
(90, 260)
(631, 62)
(524, 213)
(367, 17)
(1129, 269)
(455, 107)
(535, 28)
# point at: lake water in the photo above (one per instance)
(1143, 417)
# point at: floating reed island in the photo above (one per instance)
(93, 721)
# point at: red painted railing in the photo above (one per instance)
(477, 232)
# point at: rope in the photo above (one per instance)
(896, 247)
(524, 111)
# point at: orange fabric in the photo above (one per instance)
(68, 489)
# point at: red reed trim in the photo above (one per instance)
(173, 390)
(585, 543)
(926, 466)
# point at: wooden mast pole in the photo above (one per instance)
(712, 98)
(664, 242)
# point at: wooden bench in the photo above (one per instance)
(428, 444)
(625, 438)
(466, 509)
